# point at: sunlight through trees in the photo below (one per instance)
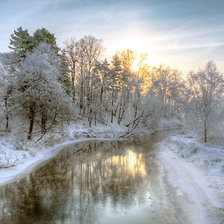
(47, 86)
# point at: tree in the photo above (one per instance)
(65, 72)
(101, 77)
(168, 87)
(71, 56)
(7, 76)
(127, 58)
(43, 35)
(39, 92)
(207, 88)
(113, 83)
(21, 42)
(89, 52)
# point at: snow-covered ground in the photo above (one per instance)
(165, 124)
(196, 172)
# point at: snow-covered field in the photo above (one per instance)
(196, 172)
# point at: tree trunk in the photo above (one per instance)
(73, 82)
(101, 95)
(205, 131)
(121, 108)
(81, 98)
(43, 122)
(90, 117)
(95, 117)
(73, 88)
(119, 117)
(112, 105)
(6, 114)
(7, 123)
(32, 115)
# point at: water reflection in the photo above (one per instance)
(131, 163)
(100, 182)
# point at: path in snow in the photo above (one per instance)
(192, 196)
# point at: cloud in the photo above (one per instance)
(172, 30)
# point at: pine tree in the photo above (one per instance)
(43, 35)
(21, 42)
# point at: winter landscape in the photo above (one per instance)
(109, 115)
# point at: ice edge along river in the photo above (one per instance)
(30, 164)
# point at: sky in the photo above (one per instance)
(183, 34)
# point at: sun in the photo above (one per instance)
(149, 61)
(138, 41)
(135, 64)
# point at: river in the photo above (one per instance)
(97, 182)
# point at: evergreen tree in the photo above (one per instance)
(21, 42)
(43, 35)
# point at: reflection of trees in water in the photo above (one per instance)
(77, 185)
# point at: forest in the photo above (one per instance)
(44, 87)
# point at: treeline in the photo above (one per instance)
(47, 86)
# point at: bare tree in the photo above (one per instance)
(72, 58)
(207, 87)
(89, 52)
(8, 68)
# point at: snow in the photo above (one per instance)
(104, 131)
(11, 157)
(169, 124)
(26, 165)
(19, 158)
(196, 171)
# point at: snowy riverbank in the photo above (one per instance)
(18, 158)
(196, 172)
(14, 150)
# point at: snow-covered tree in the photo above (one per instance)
(39, 91)
(8, 68)
(168, 87)
(127, 58)
(71, 57)
(89, 52)
(207, 88)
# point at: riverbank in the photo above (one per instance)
(15, 149)
(19, 156)
(196, 173)
(26, 165)
(18, 160)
